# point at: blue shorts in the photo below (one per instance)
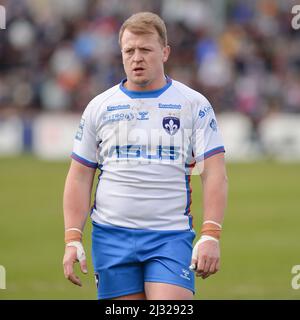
(125, 258)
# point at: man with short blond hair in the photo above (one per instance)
(145, 23)
(145, 135)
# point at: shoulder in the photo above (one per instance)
(195, 97)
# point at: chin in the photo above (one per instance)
(142, 82)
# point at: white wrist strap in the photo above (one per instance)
(195, 249)
(80, 250)
(213, 222)
(74, 229)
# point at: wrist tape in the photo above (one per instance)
(73, 234)
(79, 249)
(211, 228)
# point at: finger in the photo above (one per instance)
(207, 265)
(68, 264)
(193, 265)
(74, 279)
(195, 251)
(201, 264)
(206, 275)
(200, 270)
(204, 267)
(213, 267)
(69, 273)
(83, 266)
(68, 268)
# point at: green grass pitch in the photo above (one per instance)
(260, 241)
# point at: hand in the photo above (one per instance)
(72, 255)
(207, 258)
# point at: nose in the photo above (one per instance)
(137, 57)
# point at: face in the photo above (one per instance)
(143, 59)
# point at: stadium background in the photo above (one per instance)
(243, 55)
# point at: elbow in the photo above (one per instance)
(225, 178)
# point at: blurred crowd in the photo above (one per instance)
(243, 55)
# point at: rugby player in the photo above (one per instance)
(145, 135)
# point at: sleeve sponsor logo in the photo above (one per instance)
(213, 125)
(203, 112)
(79, 133)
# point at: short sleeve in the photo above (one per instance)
(206, 137)
(85, 142)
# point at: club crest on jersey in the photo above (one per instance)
(171, 125)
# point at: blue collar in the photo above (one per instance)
(145, 94)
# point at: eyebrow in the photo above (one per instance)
(146, 46)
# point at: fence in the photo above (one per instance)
(50, 136)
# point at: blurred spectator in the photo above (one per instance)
(57, 55)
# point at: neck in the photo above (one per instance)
(147, 86)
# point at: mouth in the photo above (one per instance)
(138, 69)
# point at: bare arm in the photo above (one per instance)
(214, 182)
(76, 203)
(77, 195)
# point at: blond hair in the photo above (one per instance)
(145, 23)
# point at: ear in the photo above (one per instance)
(166, 53)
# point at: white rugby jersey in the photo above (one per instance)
(145, 143)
